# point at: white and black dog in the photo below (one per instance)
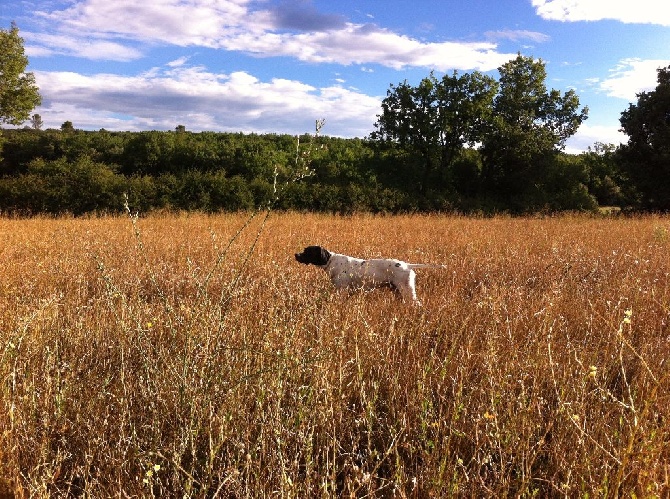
(349, 272)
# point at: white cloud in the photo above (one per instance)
(518, 35)
(631, 77)
(178, 62)
(44, 44)
(588, 135)
(180, 22)
(161, 99)
(235, 25)
(639, 11)
(365, 44)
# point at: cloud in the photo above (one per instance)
(631, 77)
(640, 11)
(368, 44)
(292, 28)
(45, 44)
(303, 16)
(201, 100)
(588, 135)
(178, 62)
(518, 35)
(175, 22)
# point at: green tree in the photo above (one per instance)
(36, 122)
(434, 120)
(646, 156)
(19, 94)
(67, 127)
(606, 181)
(530, 126)
(60, 186)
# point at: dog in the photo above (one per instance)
(347, 272)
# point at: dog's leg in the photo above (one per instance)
(407, 288)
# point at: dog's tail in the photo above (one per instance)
(426, 266)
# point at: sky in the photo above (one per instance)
(276, 66)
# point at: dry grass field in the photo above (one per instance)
(191, 356)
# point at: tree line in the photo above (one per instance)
(78, 172)
(462, 142)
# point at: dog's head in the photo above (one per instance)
(315, 255)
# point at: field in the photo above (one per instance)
(192, 356)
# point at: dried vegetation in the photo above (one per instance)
(192, 356)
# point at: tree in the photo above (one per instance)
(36, 122)
(606, 181)
(435, 119)
(67, 127)
(646, 156)
(530, 125)
(19, 94)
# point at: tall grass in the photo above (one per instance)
(158, 357)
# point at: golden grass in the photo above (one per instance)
(159, 358)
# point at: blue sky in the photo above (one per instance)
(278, 65)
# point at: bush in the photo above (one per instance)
(60, 186)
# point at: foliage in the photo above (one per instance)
(222, 171)
(606, 180)
(518, 126)
(646, 156)
(462, 142)
(19, 94)
(201, 171)
(36, 122)
(57, 186)
(435, 119)
(530, 125)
